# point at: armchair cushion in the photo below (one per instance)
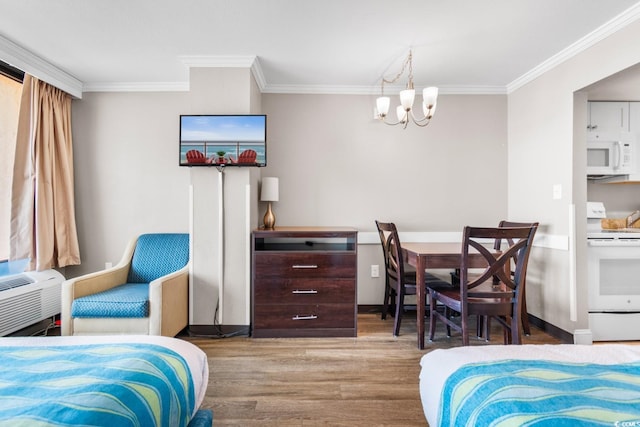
(157, 255)
(128, 300)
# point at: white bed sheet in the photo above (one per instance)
(196, 358)
(438, 365)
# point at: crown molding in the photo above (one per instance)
(616, 24)
(32, 64)
(368, 90)
(137, 87)
(231, 61)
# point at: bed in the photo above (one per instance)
(542, 385)
(102, 381)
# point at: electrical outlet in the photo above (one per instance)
(375, 271)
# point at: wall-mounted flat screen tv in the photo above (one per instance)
(223, 140)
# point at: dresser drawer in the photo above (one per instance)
(304, 316)
(303, 265)
(304, 282)
(272, 290)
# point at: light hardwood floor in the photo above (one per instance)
(371, 380)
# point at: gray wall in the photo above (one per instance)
(337, 167)
(482, 159)
(128, 182)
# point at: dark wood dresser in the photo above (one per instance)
(304, 282)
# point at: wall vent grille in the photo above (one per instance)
(15, 282)
(20, 311)
(28, 298)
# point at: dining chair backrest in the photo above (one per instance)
(383, 242)
(392, 250)
(498, 242)
(498, 264)
(484, 328)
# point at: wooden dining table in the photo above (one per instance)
(430, 255)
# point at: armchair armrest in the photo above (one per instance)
(169, 303)
(87, 285)
(92, 283)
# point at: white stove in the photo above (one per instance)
(595, 212)
(613, 275)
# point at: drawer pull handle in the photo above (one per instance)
(309, 317)
(304, 291)
(304, 266)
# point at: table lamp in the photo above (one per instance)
(269, 194)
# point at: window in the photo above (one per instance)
(10, 93)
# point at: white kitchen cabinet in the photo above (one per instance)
(634, 119)
(606, 116)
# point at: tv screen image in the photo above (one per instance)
(223, 140)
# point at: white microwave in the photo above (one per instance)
(611, 153)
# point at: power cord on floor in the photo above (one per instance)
(218, 329)
(45, 331)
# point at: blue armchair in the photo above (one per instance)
(146, 293)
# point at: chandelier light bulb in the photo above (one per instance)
(382, 105)
(402, 114)
(406, 98)
(429, 96)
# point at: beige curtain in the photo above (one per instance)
(43, 225)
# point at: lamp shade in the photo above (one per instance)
(382, 104)
(406, 98)
(429, 96)
(269, 189)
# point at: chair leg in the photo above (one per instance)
(432, 317)
(525, 316)
(487, 327)
(399, 310)
(385, 304)
(465, 329)
(516, 333)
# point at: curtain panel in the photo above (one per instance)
(43, 225)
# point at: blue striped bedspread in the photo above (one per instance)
(542, 393)
(94, 385)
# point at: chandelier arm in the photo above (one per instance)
(390, 124)
(422, 123)
(416, 120)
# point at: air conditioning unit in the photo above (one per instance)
(28, 298)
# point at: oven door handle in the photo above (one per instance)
(615, 244)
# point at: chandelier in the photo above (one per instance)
(405, 110)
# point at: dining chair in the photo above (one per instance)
(484, 324)
(400, 277)
(495, 292)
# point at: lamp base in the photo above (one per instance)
(269, 219)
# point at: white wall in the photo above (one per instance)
(547, 131)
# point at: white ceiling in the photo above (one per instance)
(328, 46)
